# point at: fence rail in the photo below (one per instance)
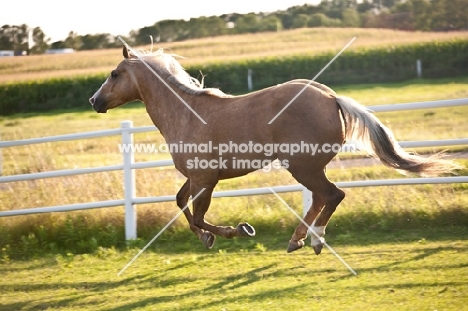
(128, 166)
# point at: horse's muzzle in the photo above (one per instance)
(98, 106)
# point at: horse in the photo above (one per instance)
(188, 114)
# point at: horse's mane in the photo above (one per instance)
(169, 68)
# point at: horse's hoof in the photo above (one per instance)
(244, 229)
(317, 249)
(317, 245)
(295, 245)
(208, 239)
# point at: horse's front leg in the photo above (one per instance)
(182, 198)
(201, 203)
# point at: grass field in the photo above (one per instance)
(413, 274)
(218, 49)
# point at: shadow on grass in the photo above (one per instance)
(416, 255)
(41, 305)
(237, 285)
(218, 291)
(55, 302)
(151, 280)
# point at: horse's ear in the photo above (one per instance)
(125, 52)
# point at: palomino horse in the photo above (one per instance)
(178, 103)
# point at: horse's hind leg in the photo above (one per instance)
(327, 195)
(300, 234)
(182, 198)
(334, 197)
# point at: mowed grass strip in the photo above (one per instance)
(418, 274)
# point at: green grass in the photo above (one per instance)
(417, 273)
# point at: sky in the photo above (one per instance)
(58, 18)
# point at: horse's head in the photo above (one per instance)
(118, 89)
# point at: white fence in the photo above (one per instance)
(128, 166)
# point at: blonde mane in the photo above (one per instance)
(169, 68)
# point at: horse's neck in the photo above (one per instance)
(168, 111)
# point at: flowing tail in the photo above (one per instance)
(379, 141)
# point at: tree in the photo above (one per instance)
(387, 3)
(370, 20)
(421, 12)
(321, 20)
(457, 12)
(58, 45)
(6, 39)
(350, 18)
(270, 23)
(40, 41)
(73, 41)
(307, 9)
(287, 19)
(14, 38)
(143, 35)
(449, 14)
(428, 15)
(205, 27)
(300, 21)
(97, 41)
(170, 30)
(365, 6)
(248, 23)
(335, 8)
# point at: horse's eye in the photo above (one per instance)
(114, 74)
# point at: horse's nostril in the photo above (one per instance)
(91, 100)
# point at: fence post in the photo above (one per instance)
(249, 80)
(306, 202)
(418, 68)
(129, 181)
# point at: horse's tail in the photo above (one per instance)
(378, 141)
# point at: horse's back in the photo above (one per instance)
(287, 112)
(312, 104)
(315, 84)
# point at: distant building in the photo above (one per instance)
(7, 53)
(60, 51)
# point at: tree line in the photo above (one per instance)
(411, 15)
